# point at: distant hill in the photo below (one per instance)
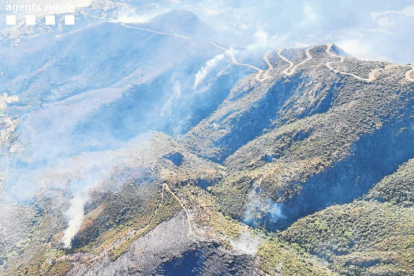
(182, 22)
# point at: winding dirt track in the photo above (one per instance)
(190, 229)
(263, 75)
(155, 32)
(291, 64)
(409, 73)
(269, 67)
(229, 52)
(372, 76)
(233, 59)
(292, 67)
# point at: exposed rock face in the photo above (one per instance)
(303, 166)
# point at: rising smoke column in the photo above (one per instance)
(88, 178)
(203, 72)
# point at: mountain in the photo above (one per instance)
(150, 149)
(182, 22)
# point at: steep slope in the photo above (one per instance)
(149, 217)
(396, 188)
(81, 105)
(150, 150)
(252, 107)
(365, 237)
(305, 164)
(110, 89)
(132, 195)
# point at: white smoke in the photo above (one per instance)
(6, 99)
(132, 16)
(203, 72)
(246, 244)
(82, 175)
(262, 211)
(261, 39)
(166, 109)
(88, 173)
(75, 215)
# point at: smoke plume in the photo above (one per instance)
(203, 72)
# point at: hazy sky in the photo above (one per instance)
(367, 29)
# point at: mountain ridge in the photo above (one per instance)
(299, 166)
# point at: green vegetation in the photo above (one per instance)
(397, 188)
(308, 141)
(289, 259)
(166, 208)
(359, 238)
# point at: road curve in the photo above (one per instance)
(233, 58)
(292, 67)
(263, 75)
(155, 32)
(372, 76)
(410, 73)
(291, 64)
(190, 230)
(270, 67)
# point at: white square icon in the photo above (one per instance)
(10, 20)
(50, 20)
(30, 20)
(69, 20)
